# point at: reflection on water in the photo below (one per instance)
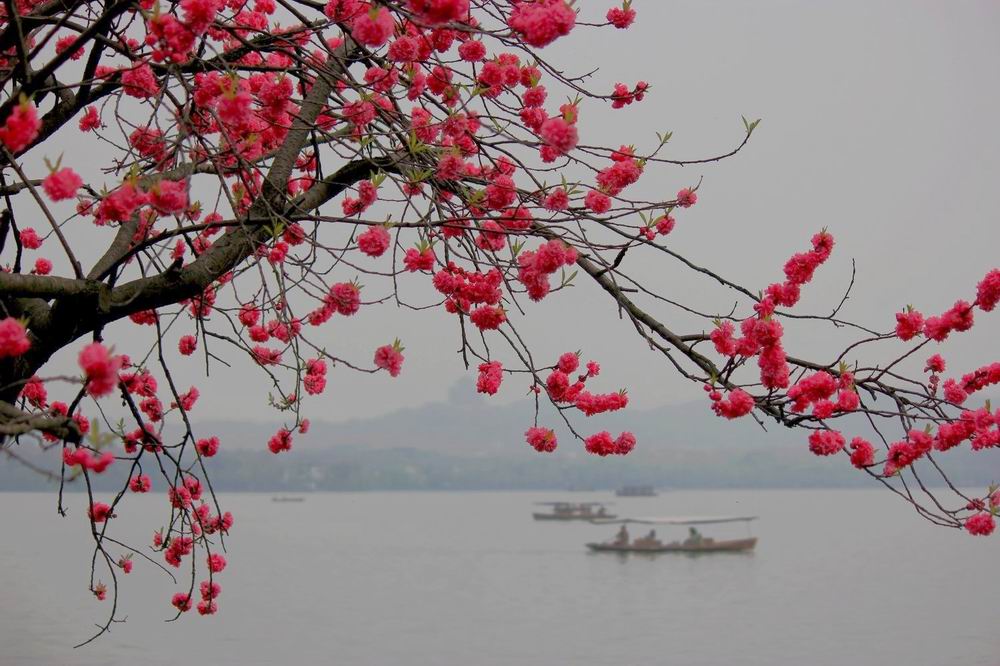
(469, 578)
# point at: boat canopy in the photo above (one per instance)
(679, 520)
(573, 503)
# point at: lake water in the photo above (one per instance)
(838, 577)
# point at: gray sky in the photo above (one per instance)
(879, 123)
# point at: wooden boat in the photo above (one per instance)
(706, 546)
(695, 544)
(589, 511)
(636, 491)
(571, 516)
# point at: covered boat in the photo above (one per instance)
(696, 543)
(589, 511)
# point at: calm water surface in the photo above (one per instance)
(839, 577)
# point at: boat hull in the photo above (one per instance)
(732, 546)
(553, 516)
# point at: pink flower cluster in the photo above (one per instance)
(825, 442)
(980, 524)
(542, 440)
(390, 357)
(87, 460)
(100, 512)
(467, 288)
(280, 441)
(62, 184)
(535, 266)
(621, 17)
(100, 368)
(560, 388)
(622, 97)
(737, 403)
(20, 128)
(958, 318)
(315, 377)
(13, 338)
(603, 444)
(490, 377)
(541, 22)
(343, 298)
(817, 389)
(374, 241)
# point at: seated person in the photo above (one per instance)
(649, 541)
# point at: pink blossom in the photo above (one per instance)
(344, 298)
(30, 239)
(621, 17)
(42, 266)
(207, 607)
(686, 198)
(737, 403)
(980, 524)
(591, 404)
(140, 82)
(62, 184)
(935, 364)
(280, 441)
(909, 324)
(373, 27)
(541, 23)
(13, 338)
(140, 484)
(20, 128)
(389, 357)
(209, 590)
(988, 291)
(169, 197)
(182, 602)
(100, 368)
(207, 447)
(559, 134)
(488, 317)
(597, 201)
(433, 12)
(216, 562)
(418, 260)
(624, 443)
(542, 440)
(569, 362)
(862, 453)
(99, 512)
(825, 442)
(90, 120)
(490, 377)
(187, 345)
(374, 242)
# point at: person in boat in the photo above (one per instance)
(621, 539)
(648, 541)
(694, 537)
(601, 512)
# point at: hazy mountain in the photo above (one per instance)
(473, 443)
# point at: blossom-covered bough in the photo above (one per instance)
(250, 160)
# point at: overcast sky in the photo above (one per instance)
(878, 123)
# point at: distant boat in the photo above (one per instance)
(636, 491)
(288, 498)
(574, 511)
(694, 544)
(705, 546)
